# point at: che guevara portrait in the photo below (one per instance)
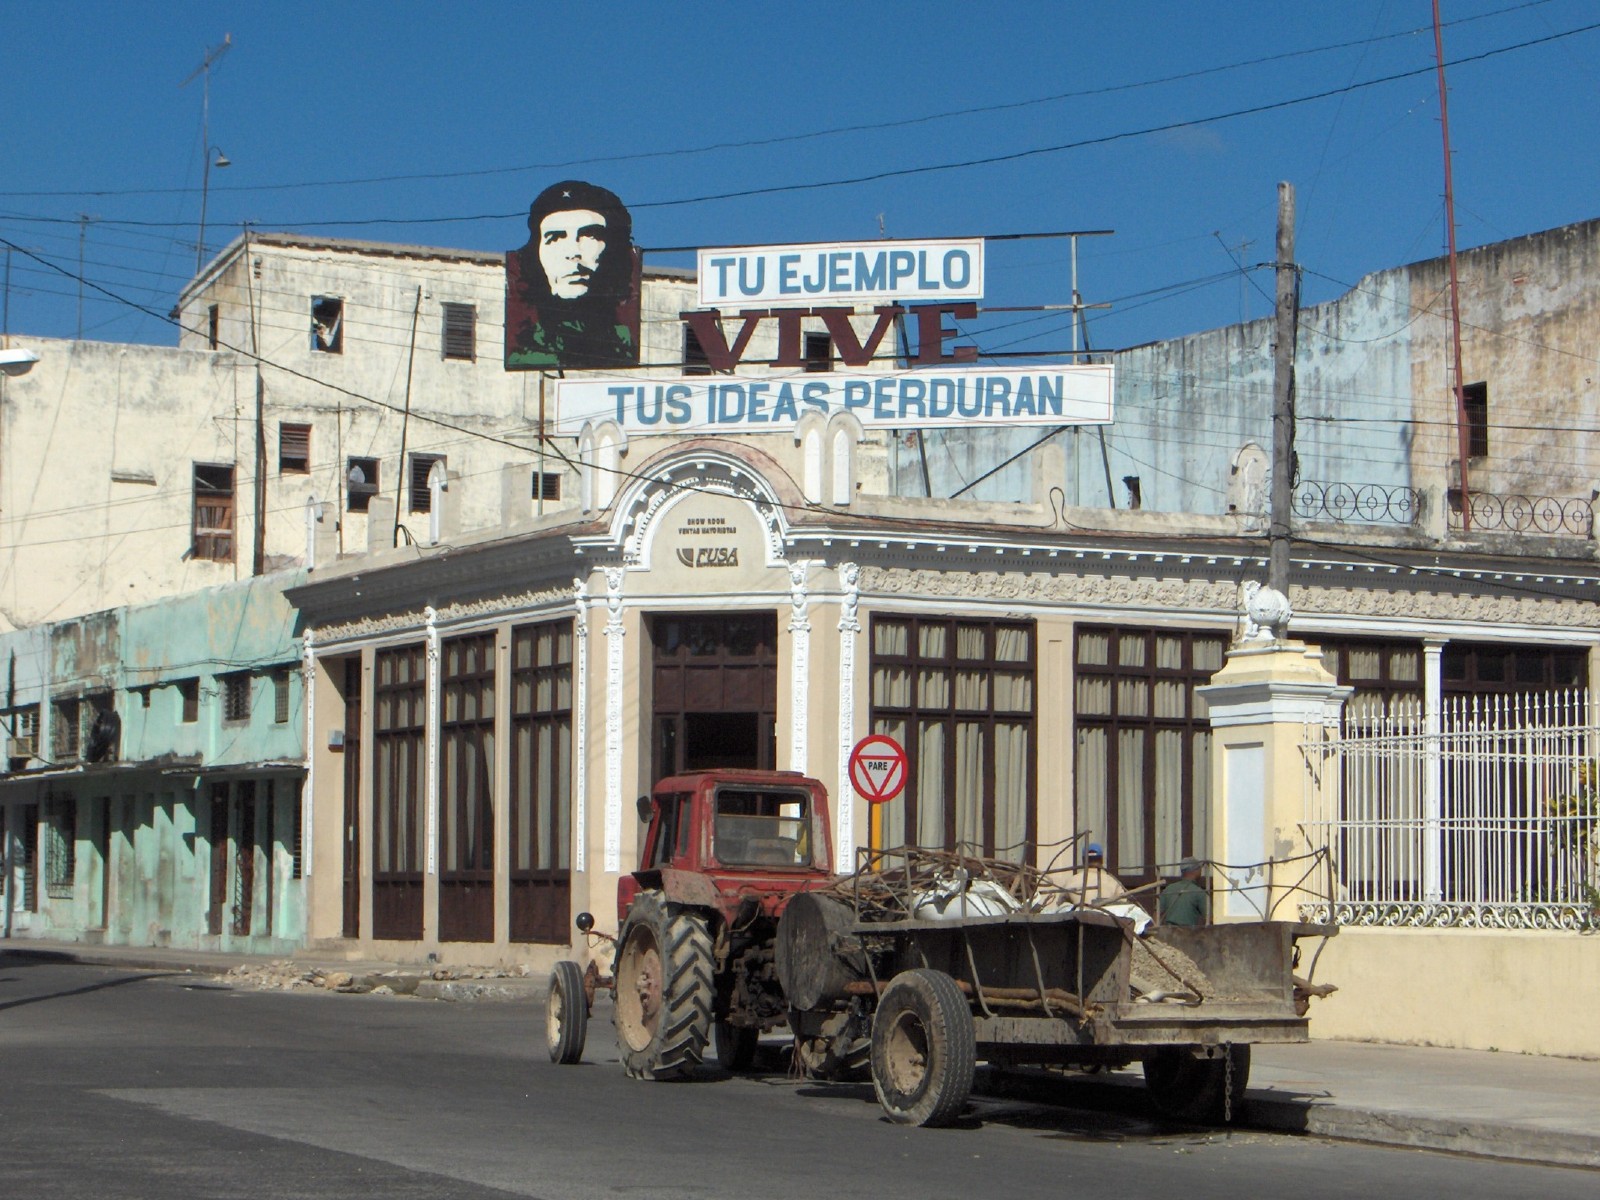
(572, 293)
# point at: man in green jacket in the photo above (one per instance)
(1183, 901)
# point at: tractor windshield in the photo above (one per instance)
(758, 827)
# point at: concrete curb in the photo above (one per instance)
(1454, 1135)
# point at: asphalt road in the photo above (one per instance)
(127, 1084)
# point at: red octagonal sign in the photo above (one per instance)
(878, 768)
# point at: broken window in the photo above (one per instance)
(213, 512)
(362, 476)
(421, 466)
(460, 330)
(64, 741)
(294, 449)
(327, 324)
(101, 728)
(189, 695)
(235, 696)
(546, 485)
(819, 352)
(1475, 402)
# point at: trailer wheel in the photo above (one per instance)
(1186, 1088)
(566, 1014)
(736, 1045)
(923, 1049)
(663, 988)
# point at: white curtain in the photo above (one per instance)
(1012, 753)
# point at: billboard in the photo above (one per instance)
(922, 399)
(819, 273)
(572, 291)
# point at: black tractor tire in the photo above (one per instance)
(664, 989)
(566, 1014)
(923, 1049)
(1185, 1088)
(736, 1045)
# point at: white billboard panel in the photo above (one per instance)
(921, 399)
(829, 273)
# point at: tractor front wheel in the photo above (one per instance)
(566, 1014)
(664, 989)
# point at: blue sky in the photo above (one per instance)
(465, 111)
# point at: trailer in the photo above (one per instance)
(918, 965)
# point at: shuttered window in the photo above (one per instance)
(460, 330)
(294, 449)
(213, 512)
(421, 464)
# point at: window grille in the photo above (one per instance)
(236, 696)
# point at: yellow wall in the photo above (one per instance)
(1524, 991)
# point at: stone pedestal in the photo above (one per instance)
(1264, 701)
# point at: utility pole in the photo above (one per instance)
(84, 220)
(1288, 303)
(1463, 435)
(204, 69)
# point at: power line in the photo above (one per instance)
(906, 172)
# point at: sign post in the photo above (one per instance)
(878, 768)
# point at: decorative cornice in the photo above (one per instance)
(1446, 606)
(495, 606)
(1221, 597)
(1189, 594)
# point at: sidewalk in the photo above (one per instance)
(1512, 1106)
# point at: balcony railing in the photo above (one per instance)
(1525, 514)
(1367, 503)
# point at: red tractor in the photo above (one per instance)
(724, 853)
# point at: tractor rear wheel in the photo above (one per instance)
(1205, 1091)
(923, 1049)
(664, 989)
(566, 1014)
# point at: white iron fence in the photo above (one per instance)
(1485, 814)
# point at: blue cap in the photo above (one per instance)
(1095, 848)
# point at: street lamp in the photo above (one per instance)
(222, 160)
(17, 362)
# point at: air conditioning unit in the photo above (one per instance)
(23, 746)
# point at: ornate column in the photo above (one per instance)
(614, 700)
(580, 727)
(799, 666)
(430, 739)
(308, 689)
(844, 791)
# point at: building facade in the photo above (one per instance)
(155, 764)
(1031, 613)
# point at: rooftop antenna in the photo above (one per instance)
(213, 56)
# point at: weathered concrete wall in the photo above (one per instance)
(1530, 317)
(1521, 991)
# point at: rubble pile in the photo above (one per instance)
(284, 975)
